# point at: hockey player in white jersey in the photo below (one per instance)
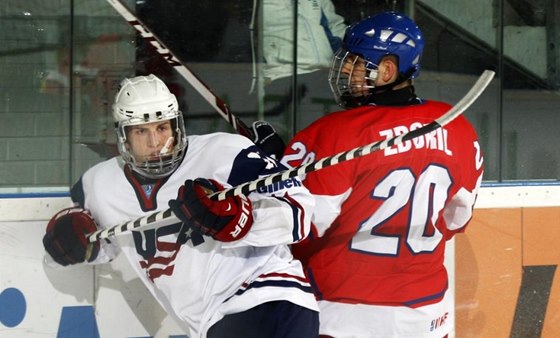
(226, 270)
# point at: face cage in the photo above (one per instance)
(342, 74)
(157, 166)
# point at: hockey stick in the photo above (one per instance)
(183, 70)
(167, 217)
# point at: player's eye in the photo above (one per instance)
(139, 131)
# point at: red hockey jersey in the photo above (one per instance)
(381, 221)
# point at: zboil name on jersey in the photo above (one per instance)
(285, 184)
(436, 139)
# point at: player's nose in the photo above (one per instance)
(347, 67)
(153, 139)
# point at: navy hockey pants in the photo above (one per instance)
(279, 319)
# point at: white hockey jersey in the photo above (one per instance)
(196, 279)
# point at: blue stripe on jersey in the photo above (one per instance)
(280, 283)
(318, 293)
(271, 283)
(418, 302)
(297, 217)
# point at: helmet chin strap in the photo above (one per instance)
(401, 78)
(388, 95)
(350, 101)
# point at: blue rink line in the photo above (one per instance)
(35, 195)
(542, 183)
(485, 184)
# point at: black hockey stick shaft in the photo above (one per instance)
(165, 217)
(182, 69)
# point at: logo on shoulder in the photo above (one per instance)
(270, 162)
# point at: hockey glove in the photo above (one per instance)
(226, 221)
(66, 237)
(268, 140)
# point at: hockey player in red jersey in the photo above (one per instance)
(375, 256)
(226, 269)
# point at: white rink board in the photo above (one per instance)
(122, 306)
(119, 304)
(517, 196)
(45, 290)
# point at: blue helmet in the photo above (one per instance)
(387, 33)
(354, 70)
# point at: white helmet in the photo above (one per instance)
(146, 99)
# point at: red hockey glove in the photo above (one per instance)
(66, 237)
(226, 221)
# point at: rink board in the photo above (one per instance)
(506, 278)
(504, 270)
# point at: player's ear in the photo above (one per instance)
(390, 69)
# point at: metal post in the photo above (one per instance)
(553, 43)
